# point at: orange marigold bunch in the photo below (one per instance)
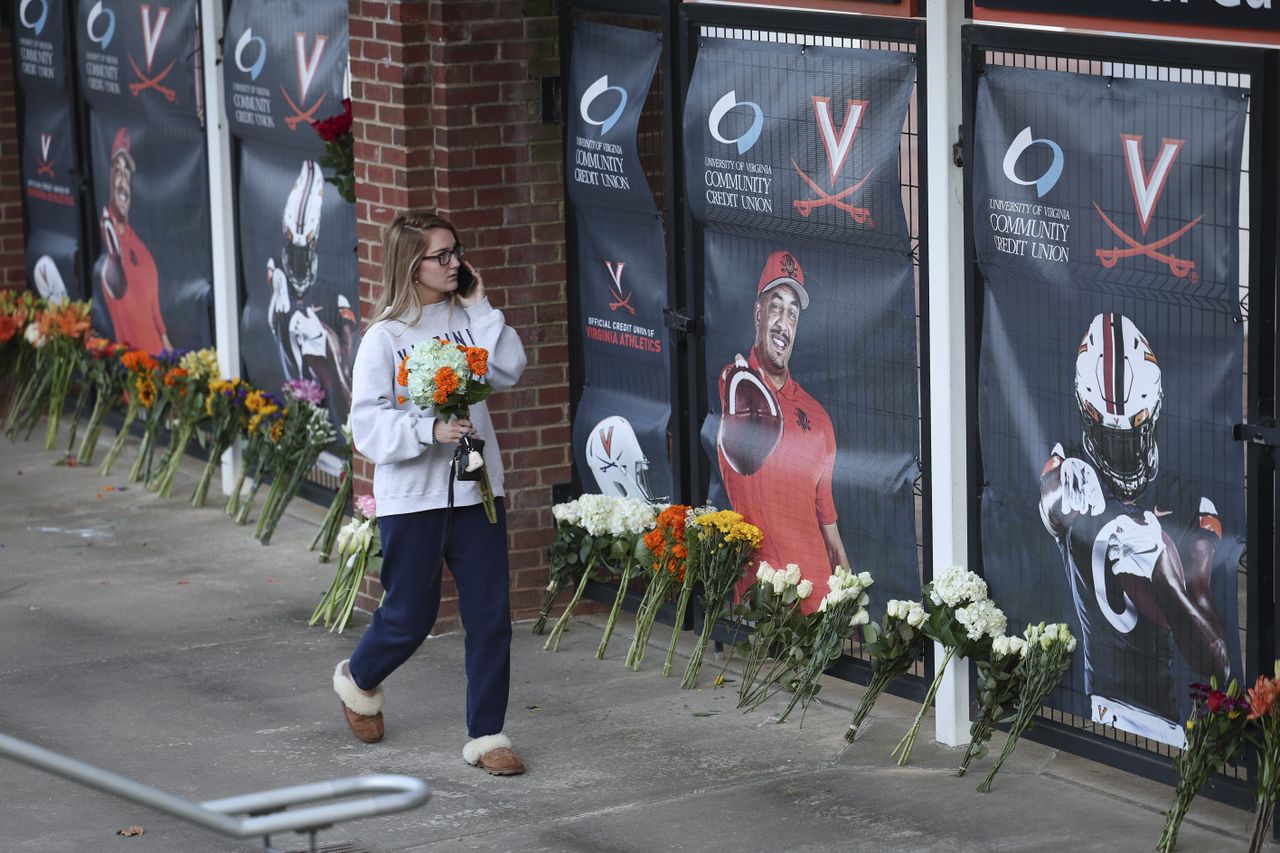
(666, 542)
(477, 360)
(138, 361)
(446, 384)
(402, 375)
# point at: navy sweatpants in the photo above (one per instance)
(476, 553)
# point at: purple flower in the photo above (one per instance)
(304, 390)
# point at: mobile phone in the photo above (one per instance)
(466, 281)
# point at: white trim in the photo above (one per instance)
(474, 749)
(353, 697)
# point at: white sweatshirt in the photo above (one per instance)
(412, 472)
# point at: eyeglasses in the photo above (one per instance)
(449, 254)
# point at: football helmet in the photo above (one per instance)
(618, 462)
(300, 258)
(1118, 391)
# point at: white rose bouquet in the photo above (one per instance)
(1000, 676)
(1047, 658)
(895, 644)
(964, 621)
(841, 610)
(773, 604)
(358, 545)
(448, 378)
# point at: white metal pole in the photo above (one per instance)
(226, 314)
(948, 407)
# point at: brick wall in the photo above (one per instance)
(446, 97)
(13, 271)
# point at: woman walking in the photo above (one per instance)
(425, 517)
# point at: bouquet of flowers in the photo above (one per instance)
(1264, 709)
(721, 544)
(63, 328)
(327, 535)
(102, 373)
(666, 542)
(24, 410)
(964, 621)
(895, 644)
(357, 543)
(566, 557)
(225, 415)
(1000, 678)
(1047, 658)
(339, 150)
(773, 604)
(139, 368)
(692, 564)
(841, 610)
(155, 394)
(262, 430)
(307, 432)
(447, 378)
(611, 526)
(16, 353)
(630, 565)
(1215, 731)
(188, 388)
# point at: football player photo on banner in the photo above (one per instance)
(798, 140)
(140, 56)
(151, 283)
(300, 316)
(621, 291)
(51, 193)
(812, 405)
(610, 71)
(1110, 379)
(40, 28)
(285, 64)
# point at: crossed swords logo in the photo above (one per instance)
(306, 73)
(45, 166)
(150, 38)
(838, 146)
(615, 273)
(1147, 187)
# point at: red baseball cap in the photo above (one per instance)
(121, 146)
(783, 268)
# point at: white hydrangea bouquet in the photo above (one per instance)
(1000, 676)
(964, 621)
(841, 610)
(610, 528)
(448, 379)
(894, 644)
(1046, 659)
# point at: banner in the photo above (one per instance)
(143, 55)
(285, 63)
(51, 192)
(1111, 377)
(300, 314)
(798, 140)
(151, 283)
(42, 43)
(621, 422)
(812, 404)
(610, 72)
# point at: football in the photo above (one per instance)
(751, 425)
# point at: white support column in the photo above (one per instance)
(947, 404)
(226, 313)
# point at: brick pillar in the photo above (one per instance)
(13, 268)
(446, 97)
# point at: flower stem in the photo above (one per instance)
(553, 639)
(682, 604)
(880, 679)
(623, 583)
(89, 443)
(979, 734)
(909, 739)
(1262, 815)
(548, 601)
(130, 415)
(711, 616)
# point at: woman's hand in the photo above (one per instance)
(448, 432)
(477, 290)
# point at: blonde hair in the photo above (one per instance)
(404, 245)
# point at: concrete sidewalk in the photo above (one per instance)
(164, 643)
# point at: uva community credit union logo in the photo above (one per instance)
(597, 89)
(1047, 179)
(34, 14)
(1147, 186)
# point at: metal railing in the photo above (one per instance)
(263, 811)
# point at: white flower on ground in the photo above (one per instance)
(915, 614)
(33, 336)
(793, 574)
(982, 618)
(765, 573)
(862, 617)
(804, 589)
(957, 586)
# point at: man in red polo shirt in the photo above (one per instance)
(776, 445)
(129, 283)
